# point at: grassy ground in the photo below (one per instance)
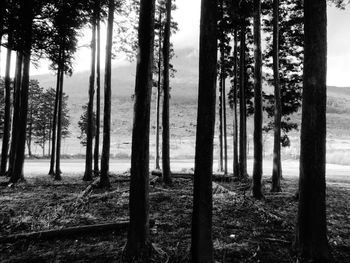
(244, 230)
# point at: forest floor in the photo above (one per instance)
(244, 230)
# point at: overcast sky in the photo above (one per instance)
(188, 13)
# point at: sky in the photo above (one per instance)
(188, 15)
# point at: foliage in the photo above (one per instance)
(83, 125)
(291, 63)
(40, 114)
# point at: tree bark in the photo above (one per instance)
(98, 92)
(59, 124)
(165, 116)
(16, 111)
(138, 244)
(90, 109)
(221, 150)
(159, 90)
(26, 14)
(7, 117)
(235, 117)
(104, 182)
(277, 167)
(54, 122)
(258, 115)
(311, 229)
(201, 243)
(242, 105)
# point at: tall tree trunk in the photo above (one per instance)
(235, 117)
(224, 119)
(201, 243)
(258, 115)
(16, 110)
(59, 124)
(90, 109)
(29, 132)
(54, 123)
(242, 105)
(138, 245)
(159, 90)
(311, 229)
(7, 117)
(277, 167)
(98, 92)
(221, 150)
(104, 177)
(26, 14)
(166, 89)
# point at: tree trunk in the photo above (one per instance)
(138, 245)
(104, 182)
(90, 109)
(277, 167)
(159, 90)
(165, 116)
(16, 110)
(29, 132)
(221, 151)
(59, 124)
(201, 243)
(224, 119)
(54, 123)
(98, 93)
(7, 117)
(242, 106)
(235, 117)
(311, 229)
(26, 14)
(258, 115)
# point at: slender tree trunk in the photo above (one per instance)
(242, 106)
(221, 151)
(166, 58)
(138, 245)
(59, 124)
(277, 167)
(311, 229)
(54, 123)
(98, 94)
(224, 119)
(258, 116)
(16, 111)
(159, 90)
(90, 109)
(235, 117)
(29, 132)
(7, 117)
(201, 243)
(104, 177)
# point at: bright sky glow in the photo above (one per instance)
(188, 14)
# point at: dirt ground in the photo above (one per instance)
(244, 230)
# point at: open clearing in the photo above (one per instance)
(244, 230)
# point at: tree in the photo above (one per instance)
(277, 166)
(234, 106)
(104, 179)
(26, 11)
(138, 244)
(311, 229)
(242, 102)
(201, 243)
(98, 88)
(7, 110)
(258, 116)
(90, 108)
(83, 125)
(166, 89)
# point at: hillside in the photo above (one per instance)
(123, 77)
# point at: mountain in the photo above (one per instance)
(184, 85)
